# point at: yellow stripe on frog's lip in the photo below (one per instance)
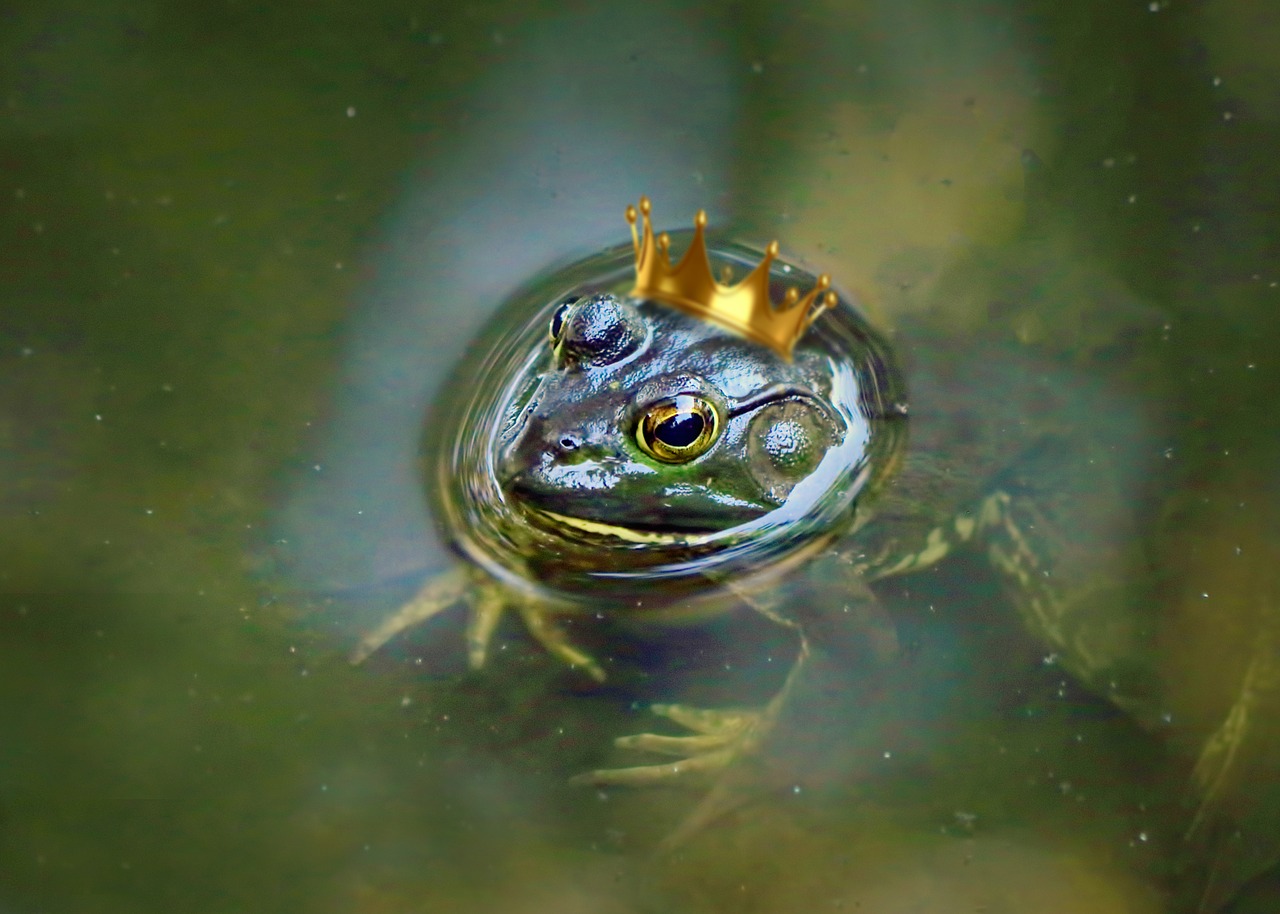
(625, 533)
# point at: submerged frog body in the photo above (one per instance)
(620, 456)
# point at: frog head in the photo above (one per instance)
(595, 441)
(648, 425)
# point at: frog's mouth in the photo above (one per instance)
(592, 503)
(638, 535)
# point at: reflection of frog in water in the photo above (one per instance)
(642, 460)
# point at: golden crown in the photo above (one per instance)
(746, 308)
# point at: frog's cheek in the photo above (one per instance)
(785, 443)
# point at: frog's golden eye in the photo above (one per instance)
(678, 429)
(558, 319)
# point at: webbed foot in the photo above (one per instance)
(486, 600)
(718, 738)
(720, 741)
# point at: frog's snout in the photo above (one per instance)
(546, 459)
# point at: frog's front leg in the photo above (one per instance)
(835, 618)
(486, 599)
(717, 736)
(833, 612)
(720, 742)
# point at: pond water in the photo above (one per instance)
(242, 251)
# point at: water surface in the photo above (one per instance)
(242, 248)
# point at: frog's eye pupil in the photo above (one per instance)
(681, 430)
(678, 429)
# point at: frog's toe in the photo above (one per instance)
(694, 767)
(487, 608)
(541, 624)
(436, 595)
(725, 721)
(671, 745)
(719, 737)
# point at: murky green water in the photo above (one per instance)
(241, 249)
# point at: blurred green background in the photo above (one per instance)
(241, 244)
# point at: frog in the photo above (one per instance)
(618, 456)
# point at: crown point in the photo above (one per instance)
(745, 308)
